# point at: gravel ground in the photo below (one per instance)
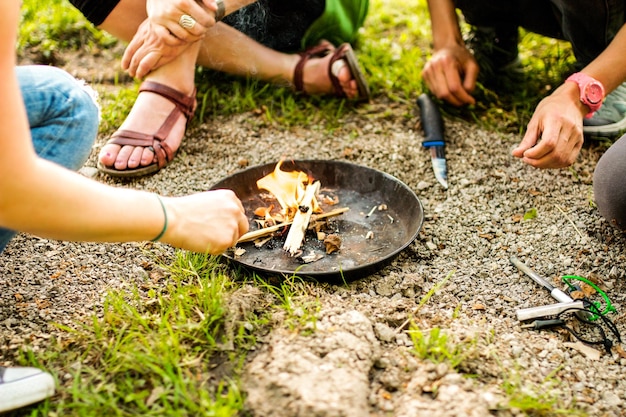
(358, 361)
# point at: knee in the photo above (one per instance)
(608, 184)
(63, 114)
(62, 95)
(79, 103)
(83, 102)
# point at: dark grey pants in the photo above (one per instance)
(277, 24)
(609, 184)
(589, 25)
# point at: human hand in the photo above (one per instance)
(554, 135)
(208, 222)
(151, 47)
(167, 14)
(451, 75)
(161, 38)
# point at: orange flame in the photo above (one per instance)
(287, 186)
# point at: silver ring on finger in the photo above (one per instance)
(187, 22)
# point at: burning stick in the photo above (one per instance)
(255, 234)
(301, 219)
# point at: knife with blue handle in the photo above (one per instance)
(432, 124)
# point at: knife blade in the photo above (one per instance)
(432, 123)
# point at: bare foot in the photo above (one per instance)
(147, 115)
(316, 80)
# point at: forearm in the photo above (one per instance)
(610, 66)
(231, 6)
(57, 203)
(444, 24)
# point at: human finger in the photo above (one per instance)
(135, 43)
(546, 144)
(242, 222)
(443, 74)
(192, 29)
(148, 63)
(471, 70)
(128, 55)
(205, 12)
(457, 89)
(559, 149)
(529, 140)
(152, 41)
(433, 76)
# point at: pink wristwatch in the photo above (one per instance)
(591, 91)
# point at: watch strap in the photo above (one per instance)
(584, 81)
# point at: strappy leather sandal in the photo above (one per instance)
(185, 105)
(345, 52)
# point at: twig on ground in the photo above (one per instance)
(570, 220)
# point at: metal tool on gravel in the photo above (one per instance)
(432, 124)
(556, 293)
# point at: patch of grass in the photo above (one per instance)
(154, 352)
(294, 297)
(538, 401)
(48, 26)
(222, 95)
(115, 106)
(393, 47)
(436, 347)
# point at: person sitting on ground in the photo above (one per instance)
(48, 126)
(591, 101)
(279, 41)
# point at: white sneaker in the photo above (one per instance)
(610, 120)
(21, 386)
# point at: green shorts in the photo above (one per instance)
(339, 23)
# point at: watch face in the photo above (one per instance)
(594, 93)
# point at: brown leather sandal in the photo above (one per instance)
(185, 105)
(344, 52)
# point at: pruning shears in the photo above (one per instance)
(592, 305)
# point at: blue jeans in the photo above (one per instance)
(589, 25)
(63, 118)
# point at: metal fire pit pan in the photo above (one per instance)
(361, 189)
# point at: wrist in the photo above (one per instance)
(571, 91)
(591, 91)
(165, 220)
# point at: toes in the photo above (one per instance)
(125, 157)
(147, 156)
(337, 68)
(108, 154)
(128, 158)
(136, 157)
(349, 85)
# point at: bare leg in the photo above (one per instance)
(228, 50)
(150, 110)
(246, 57)
(223, 49)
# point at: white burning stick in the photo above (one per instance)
(301, 219)
(255, 234)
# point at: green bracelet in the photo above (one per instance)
(164, 215)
